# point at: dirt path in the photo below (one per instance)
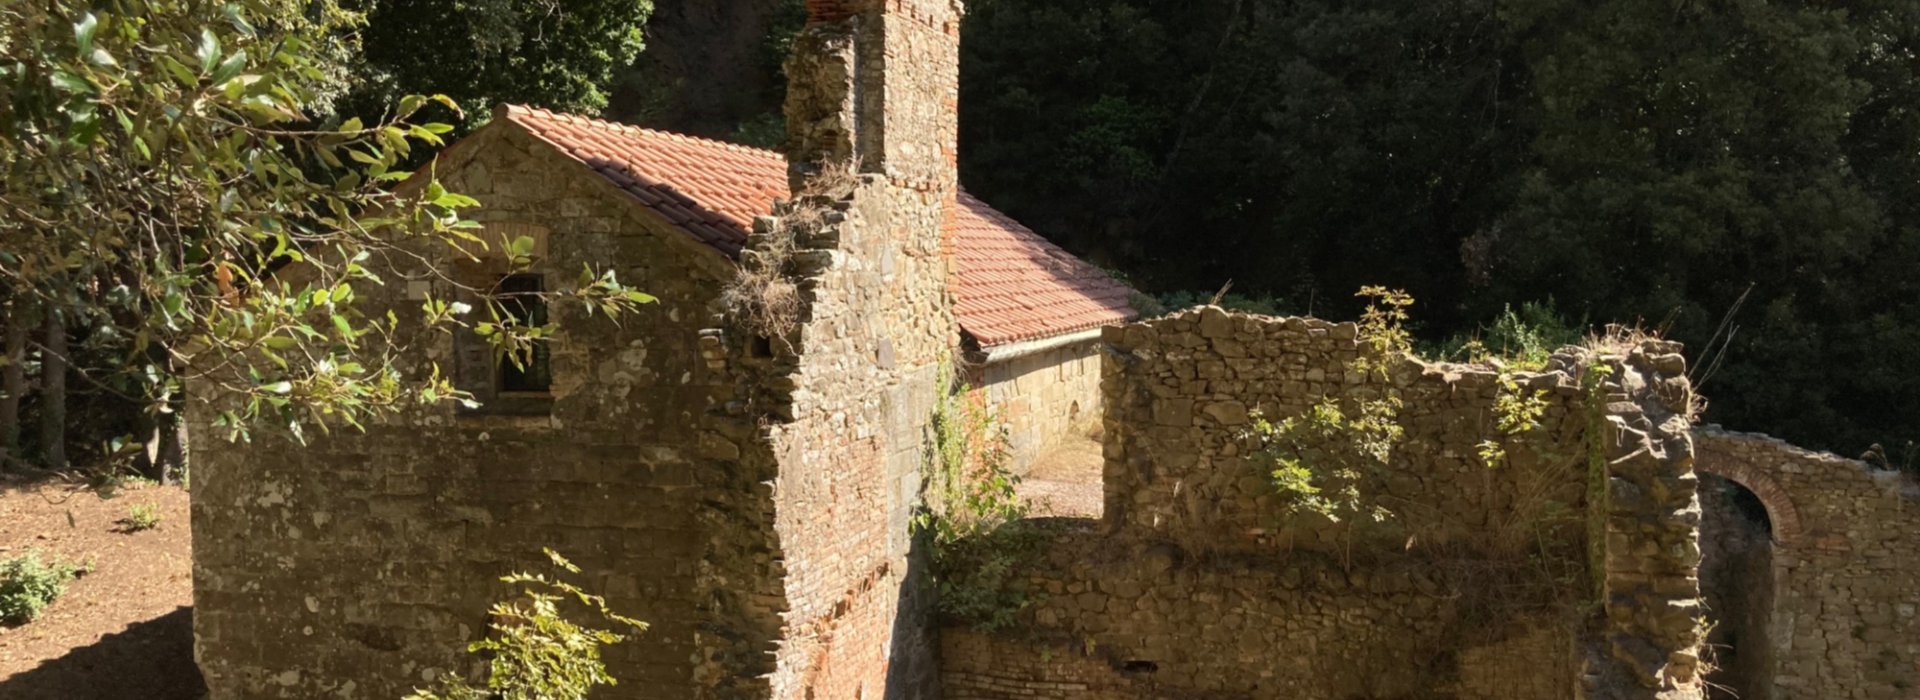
(1065, 481)
(123, 630)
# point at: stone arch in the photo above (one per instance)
(1780, 509)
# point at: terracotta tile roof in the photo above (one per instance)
(713, 189)
(1009, 284)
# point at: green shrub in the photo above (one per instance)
(972, 517)
(140, 516)
(28, 585)
(1523, 338)
(1322, 460)
(533, 652)
(1151, 305)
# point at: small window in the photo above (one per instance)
(526, 371)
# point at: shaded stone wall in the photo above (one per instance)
(1125, 618)
(847, 397)
(1044, 398)
(360, 565)
(1736, 582)
(1199, 585)
(1845, 570)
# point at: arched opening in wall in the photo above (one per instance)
(1736, 578)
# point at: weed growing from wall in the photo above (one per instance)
(1523, 339)
(1516, 413)
(971, 517)
(535, 653)
(763, 294)
(1321, 461)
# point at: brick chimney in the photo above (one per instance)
(877, 81)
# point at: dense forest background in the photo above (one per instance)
(1715, 168)
(1743, 175)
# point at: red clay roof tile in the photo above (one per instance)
(1008, 285)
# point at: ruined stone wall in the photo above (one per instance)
(1483, 584)
(1846, 547)
(1181, 392)
(847, 440)
(360, 565)
(1044, 398)
(848, 399)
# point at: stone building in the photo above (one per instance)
(747, 495)
(1028, 312)
(748, 492)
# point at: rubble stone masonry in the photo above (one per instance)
(359, 565)
(1044, 398)
(1845, 580)
(1198, 585)
(872, 86)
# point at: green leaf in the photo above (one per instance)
(68, 82)
(411, 104)
(208, 51)
(521, 247)
(83, 32)
(230, 67)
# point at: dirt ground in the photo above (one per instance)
(124, 629)
(1065, 481)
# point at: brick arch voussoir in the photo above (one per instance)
(1781, 512)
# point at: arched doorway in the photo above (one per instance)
(1737, 539)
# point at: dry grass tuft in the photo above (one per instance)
(760, 295)
(763, 295)
(1619, 338)
(834, 180)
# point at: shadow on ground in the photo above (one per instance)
(150, 660)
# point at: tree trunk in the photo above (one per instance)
(13, 385)
(165, 455)
(53, 390)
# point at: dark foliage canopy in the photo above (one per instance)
(1631, 160)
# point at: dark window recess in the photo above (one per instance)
(520, 299)
(760, 346)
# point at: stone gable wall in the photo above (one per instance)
(1845, 567)
(359, 565)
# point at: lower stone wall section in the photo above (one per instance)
(980, 666)
(1120, 619)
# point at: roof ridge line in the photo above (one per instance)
(516, 111)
